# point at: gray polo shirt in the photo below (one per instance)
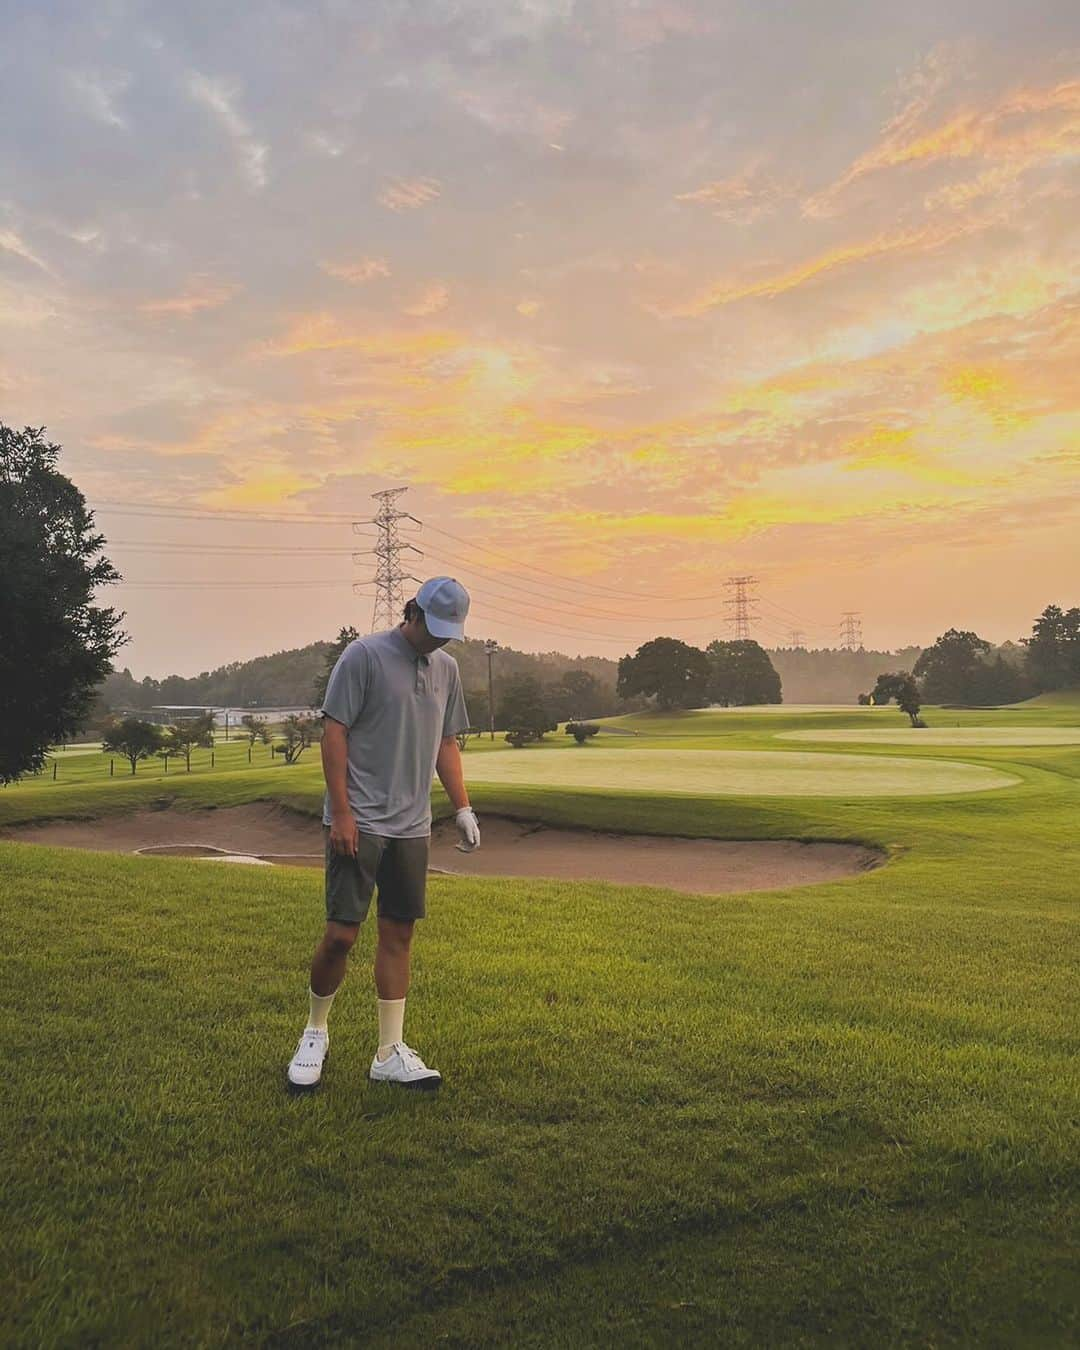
(398, 705)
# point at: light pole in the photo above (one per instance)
(491, 647)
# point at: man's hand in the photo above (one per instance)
(469, 829)
(344, 832)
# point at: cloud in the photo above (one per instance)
(357, 271)
(743, 198)
(529, 308)
(409, 194)
(1020, 130)
(201, 293)
(916, 240)
(220, 100)
(323, 332)
(99, 93)
(430, 301)
(266, 487)
(10, 242)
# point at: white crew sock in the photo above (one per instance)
(391, 1025)
(320, 1008)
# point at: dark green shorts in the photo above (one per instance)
(396, 867)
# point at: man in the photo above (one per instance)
(392, 709)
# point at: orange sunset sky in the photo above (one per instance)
(634, 297)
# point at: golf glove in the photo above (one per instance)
(469, 829)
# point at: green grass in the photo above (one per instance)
(835, 1115)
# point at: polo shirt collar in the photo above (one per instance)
(407, 647)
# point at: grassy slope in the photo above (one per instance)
(843, 1113)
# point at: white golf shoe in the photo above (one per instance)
(404, 1066)
(306, 1066)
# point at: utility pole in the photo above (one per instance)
(851, 637)
(491, 647)
(388, 577)
(743, 615)
(795, 638)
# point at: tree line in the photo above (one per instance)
(57, 649)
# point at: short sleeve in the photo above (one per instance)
(456, 717)
(347, 686)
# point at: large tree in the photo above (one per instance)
(55, 645)
(947, 672)
(672, 672)
(740, 672)
(344, 637)
(1053, 650)
(901, 686)
(523, 707)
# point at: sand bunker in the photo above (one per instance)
(267, 832)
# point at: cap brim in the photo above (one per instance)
(441, 628)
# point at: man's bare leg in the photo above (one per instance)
(392, 958)
(331, 955)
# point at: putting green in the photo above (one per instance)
(912, 736)
(768, 773)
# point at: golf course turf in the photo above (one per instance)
(844, 1114)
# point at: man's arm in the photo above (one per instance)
(451, 774)
(335, 756)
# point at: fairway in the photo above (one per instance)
(751, 773)
(839, 1114)
(921, 736)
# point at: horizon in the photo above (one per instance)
(281, 651)
(633, 299)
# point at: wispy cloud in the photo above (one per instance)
(221, 101)
(742, 198)
(1021, 129)
(409, 194)
(99, 93)
(10, 242)
(358, 270)
(200, 293)
(917, 240)
(430, 301)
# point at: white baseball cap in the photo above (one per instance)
(445, 603)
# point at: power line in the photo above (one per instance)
(168, 546)
(553, 580)
(519, 563)
(232, 517)
(197, 585)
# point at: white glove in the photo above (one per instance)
(469, 829)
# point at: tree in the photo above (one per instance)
(996, 682)
(902, 687)
(740, 672)
(523, 708)
(1053, 650)
(134, 739)
(521, 736)
(344, 637)
(675, 674)
(947, 670)
(257, 728)
(191, 732)
(581, 731)
(575, 694)
(297, 733)
(55, 646)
